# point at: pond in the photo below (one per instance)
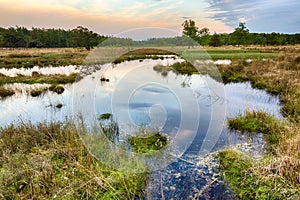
(191, 110)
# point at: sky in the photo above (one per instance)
(152, 18)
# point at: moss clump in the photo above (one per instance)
(259, 122)
(6, 92)
(57, 88)
(148, 143)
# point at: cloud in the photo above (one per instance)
(259, 15)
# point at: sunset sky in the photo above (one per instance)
(116, 16)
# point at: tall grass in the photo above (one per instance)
(277, 175)
(49, 160)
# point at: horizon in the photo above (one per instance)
(153, 18)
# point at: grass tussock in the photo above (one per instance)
(260, 122)
(49, 160)
(4, 92)
(57, 88)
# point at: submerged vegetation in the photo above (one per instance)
(49, 160)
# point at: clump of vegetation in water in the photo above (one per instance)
(148, 142)
(109, 127)
(57, 88)
(36, 92)
(184, 68)
(6, 92)
(260, 122)
(49, 160)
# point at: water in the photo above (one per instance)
(191, 110)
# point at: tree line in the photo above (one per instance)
(82, 37)
(240, 36)
(49, 38)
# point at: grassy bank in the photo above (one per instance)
(50, 79)
(49, 160)
(277, 175)
(30, 57)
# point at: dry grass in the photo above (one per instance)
(277, 175)
(49, 160)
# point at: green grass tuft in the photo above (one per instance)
(260, 122)
(148, 143)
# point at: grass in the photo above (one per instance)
(148, 142)
(49, 160)
(260, 122)
(263, 180)
(36, 92)
(57, 88)
(50, 79)
(143, 53)
(109, 127)
(279, 76)
(276, 175)
(5, 92)
(30, 57)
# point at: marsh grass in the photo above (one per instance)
(270, 178)
(260, 122)
(4, 92)
(37, 92)
(148, 142)
(50, 79)
(28, 58)
(143, 53)
(49, 160)
(275, 176)
(57, 88)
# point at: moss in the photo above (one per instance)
(148, 143)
